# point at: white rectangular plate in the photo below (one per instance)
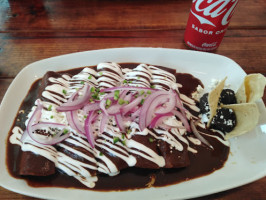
(246, 163)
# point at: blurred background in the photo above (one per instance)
(31, 30)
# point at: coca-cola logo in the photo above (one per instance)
(206, 10)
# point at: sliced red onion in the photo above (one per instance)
(197, 134)
(123, 94)
(148, 108)
(169, 106)
(88, 128)
(78, 103)
(54, 138)
(73, 121)
(104, 121)
(70, 120)
(95, 117)
(109, 96)
(114, 109)
(144, 109)
(127, 119)
(152, 105)
(135, 109)
(179, 104)
(74, 95)
(45, 140)
(159, 119)
(127, 88)
(183, 119)
(91, 106)
(77, 123)
(125, 109)
(120, 122)
(135, 114)
(102, 105)
(128, 97)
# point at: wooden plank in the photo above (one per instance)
(5, 194)
(4, 83)
(21, 49)
(114, 15)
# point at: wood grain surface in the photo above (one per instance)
(31, 30)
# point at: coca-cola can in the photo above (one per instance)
(207, 23)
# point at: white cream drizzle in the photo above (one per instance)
(169, 138)
(162, 79)
(87, 75)
(108, 75)
(139, 76)
(224, 142)
(194, 140)
(142, 151)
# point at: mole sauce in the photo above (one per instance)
(202, 163)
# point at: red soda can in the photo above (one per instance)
(207, 23)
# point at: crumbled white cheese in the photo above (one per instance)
(204, 118)
(198, 93)
(229, 122)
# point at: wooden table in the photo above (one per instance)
(34, 30)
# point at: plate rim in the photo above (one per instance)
(31, 65)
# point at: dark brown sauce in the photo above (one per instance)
(204, 162)
(189, 83)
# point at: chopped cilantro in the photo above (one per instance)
(141, 92)
(108, 102)
(101, 154)
(90, 77)
(116, 94)
(126, 102)
(115, 139)
(123, 136)
(123, 142)
(95, 96)
(128, 131)
(99, 111)
(51, 116)
(64, 91)
(65, 131)
(125, 81)
(121, 101)
(142, 101)
(49, 108)
(82, 82)
(92, 89)
(148, 92)
(153, 86)
(102, 93)
(151, 139)
(138, 77)
(85, 116)
(100, 73)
